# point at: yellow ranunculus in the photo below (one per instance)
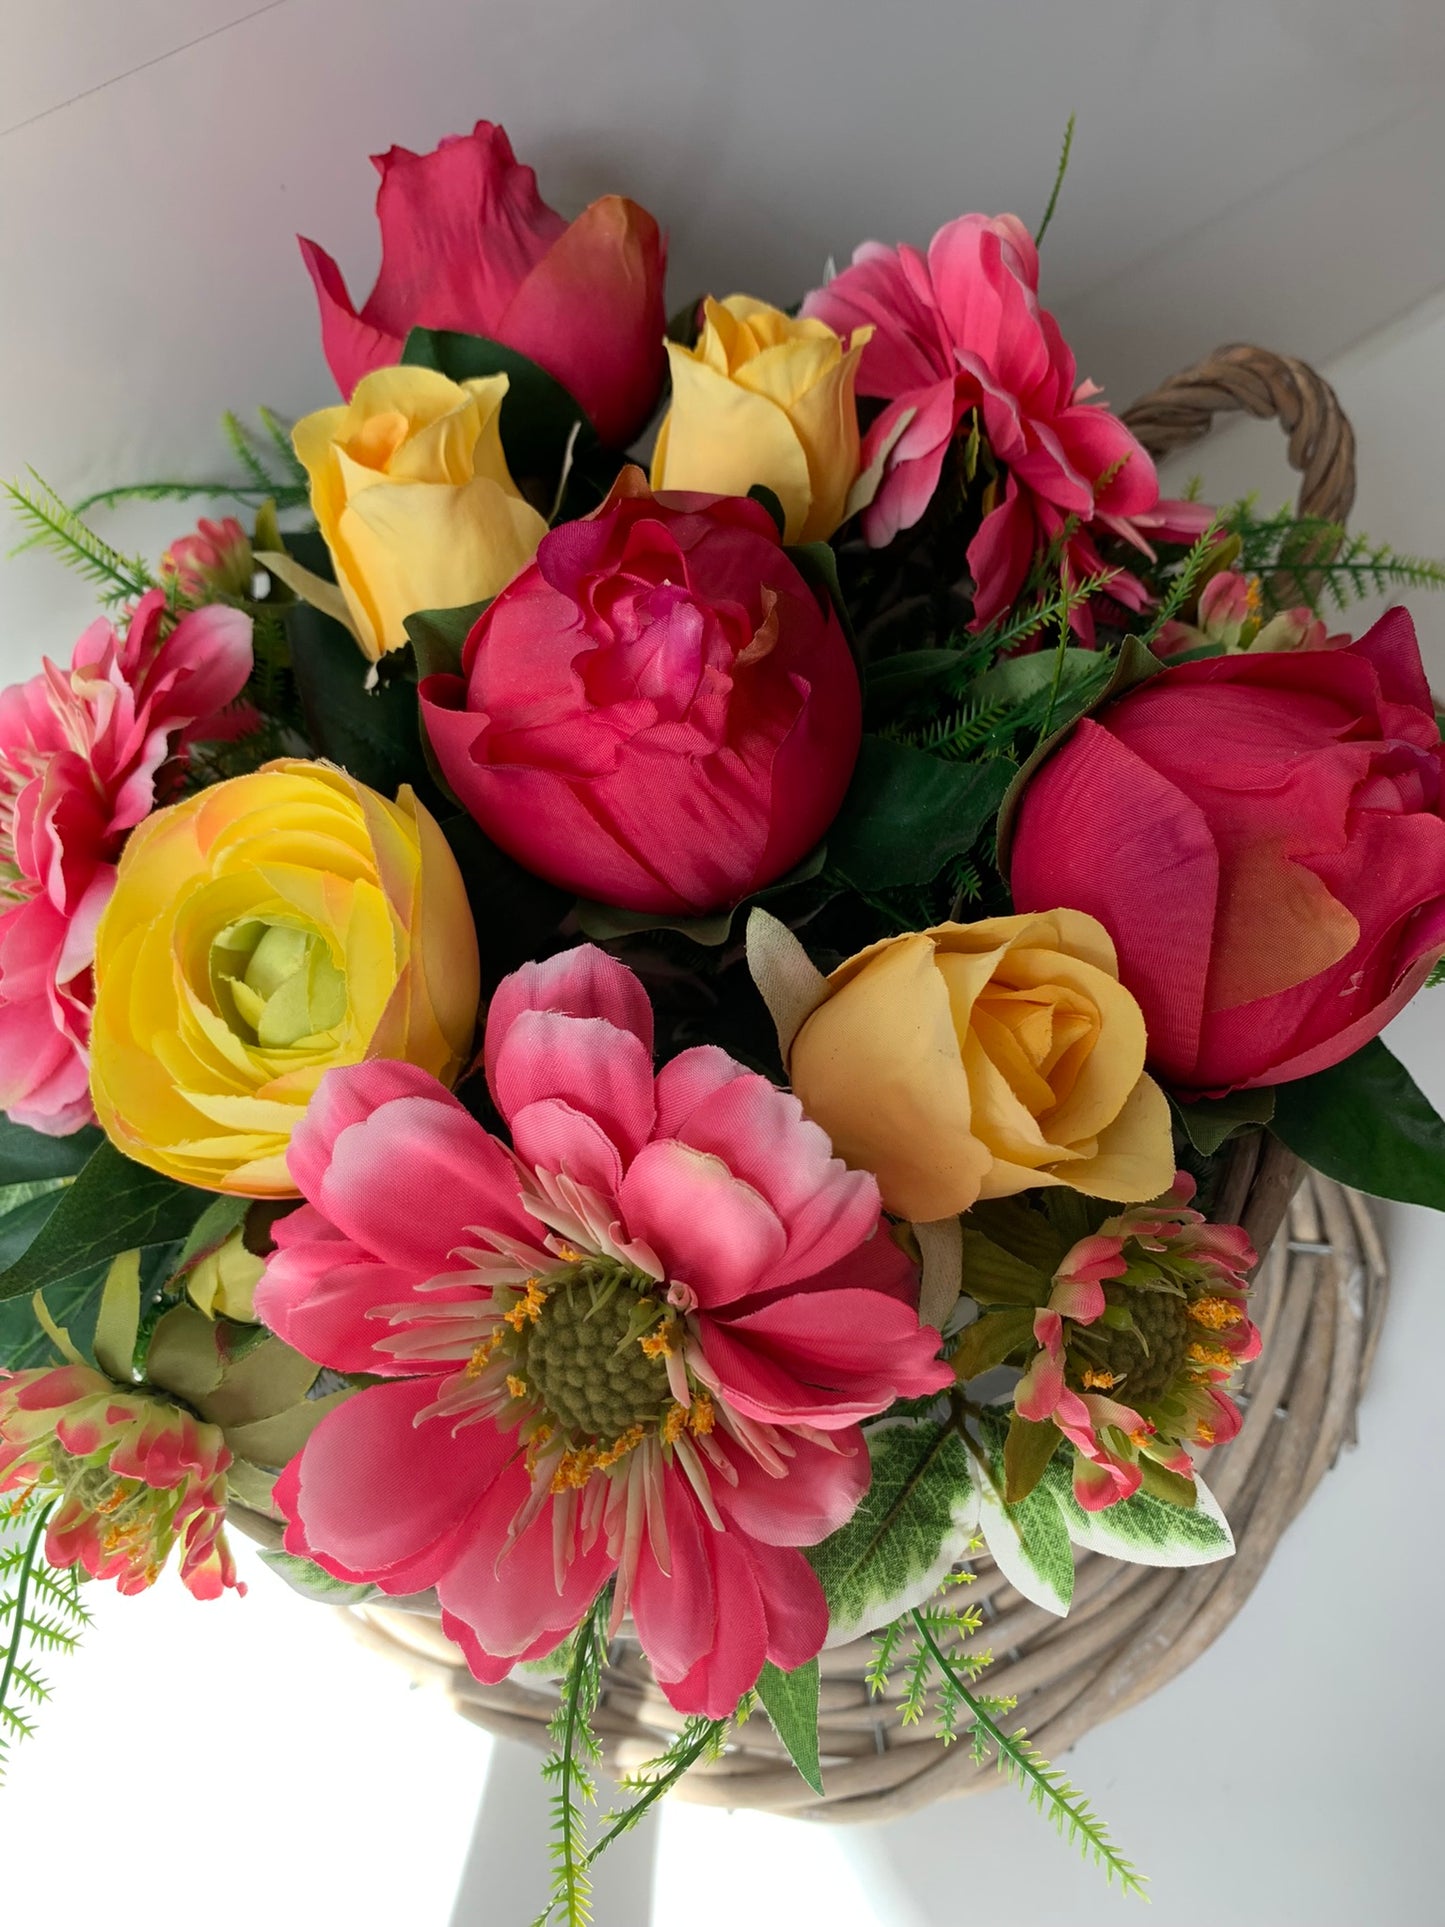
(764, 398)
(412, 492)
(260, 933)
(977, 1060)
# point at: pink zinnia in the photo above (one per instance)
(80, 753)
(637, 1343)
(959, 329)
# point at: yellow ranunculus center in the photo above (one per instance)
(276, 984)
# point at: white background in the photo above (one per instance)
(1265, 169)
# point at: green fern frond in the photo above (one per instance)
(24, 1575)
(700, 1739)
(566, 1767)
(885, 1649)
(54, 526)
(109, 498)
(1185, 581)
(240, 443)
(1437, 976)
(1306, 559)
(1046, 1788)
(280, 434)
(1059, 174)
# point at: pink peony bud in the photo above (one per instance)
(1229, 605)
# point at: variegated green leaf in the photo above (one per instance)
(1143, 1530)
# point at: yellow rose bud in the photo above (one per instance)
(764, 398)
(260, 933)
(223, 1283)
(412, 492)
(977, 1060)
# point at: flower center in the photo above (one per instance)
(276, 984)
(583, 1356)
(1145, 1362)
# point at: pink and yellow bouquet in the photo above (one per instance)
(565, 1012)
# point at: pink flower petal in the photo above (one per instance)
(820, 1491)
(586, 1062)
(712, 1232)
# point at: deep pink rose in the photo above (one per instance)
(659, 712)
(961, 328)
(637, 1343)
(467, 243)
(80, 752)
(1263, 836)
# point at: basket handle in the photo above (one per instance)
(1253, 381)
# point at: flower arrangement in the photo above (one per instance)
(557, 1008)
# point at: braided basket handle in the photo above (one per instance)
(1253, 381)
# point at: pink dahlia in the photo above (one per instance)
(1145, 1325)
(131, 1476)
(958, 330)
(81, 755)
(637, 1343)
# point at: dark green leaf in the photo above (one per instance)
(1135, 665)
(791, 1700)
(1367, 1123)
(914, 675)
(818, 566)
(28, 1156)
(113, 1206)
(74, 1305)
(761, 493)
(604, 922)
(437, 636)
(517, 915)
(989, 1340)
(1172, 1487)
(538, 415)
(1024, 1233)
(906, 813)
(1210, 1122)
(1027, 1449)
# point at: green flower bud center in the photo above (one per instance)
(276, 984)
(583, 1358)
(1149, 1358)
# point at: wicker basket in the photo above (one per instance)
(1321, 1293)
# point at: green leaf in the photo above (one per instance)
(913, 1526)
(1210, 1122)
(604, 922)
(312, 1583)
(1367, 1123)
(989, 1340)
(1135, 665)
(791, 1700)
(767, 498)
(1018, 679)
(113, 1206)
(906, 813)
(437, 636)
(1027, 1449)
(221, 1217)
(818, 566)
(1028, 1541)
(74, 1306)
(27, 1157)
(1143, 1530)
(1030, 1236)
(993, 1276)
(538, 414)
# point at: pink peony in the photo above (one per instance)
(1151, 1307)
(80, 753)
(659, 711)
(468, 244)
(131, 1476)
(960, 329)
(638, 1343)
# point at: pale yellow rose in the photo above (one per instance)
(412, 492)
(260, 933)
(978, 1060)
(764, 399)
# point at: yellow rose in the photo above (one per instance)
(764, 398)
(977, 1060)
(412, 492)
(260, 933)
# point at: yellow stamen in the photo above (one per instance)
(568, 1254)
(482, 1356)
(1097, 1381)
(674, 1424)
(516, 1385)
(702, 1418)
(1204, 1433)
(1253, 595)
(620, 1447)
(1215, 1314)
(575, 1469)
(1212, 1355)
(528, 1308)
(658, 1344)
(1141, 1436)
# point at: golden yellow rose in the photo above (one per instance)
(764, 398)
(260, 933)
(412, 492)
(977, 1060)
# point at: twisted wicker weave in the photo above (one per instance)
(1321, 1292)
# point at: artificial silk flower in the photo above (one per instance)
(1129, 1355)
(637, 1343)
(260, 932)
(212, 562)
(1264, 836)
(763, 398)
(660, 712)
(131, 1476)
(84, 752)
(411, 490)
(958, 332)
(468, 244)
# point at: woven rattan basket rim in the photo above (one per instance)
(1321, 1293)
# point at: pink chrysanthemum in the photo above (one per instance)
(960, 331)
(637, 1343)
(131, 1476)
(1145, 1325)
(81, 752)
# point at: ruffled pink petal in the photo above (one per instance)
(793, 1603)
(713, 1233)
(1040, 1392)
(581, 982)
(319, 1296)
(674, 1606)
(1100, 1483)
(687, 1081)
(352, 347)
(731, 1665)
(551, 1136)
(586, 1062)
(820, 1490)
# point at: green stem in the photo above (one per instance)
(27, 1567)
(684, 1753)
